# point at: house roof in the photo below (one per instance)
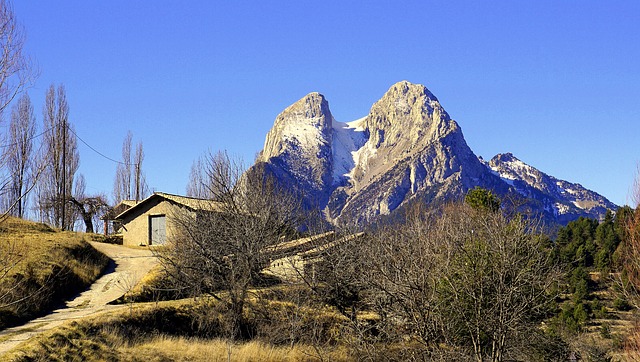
(118, 209)
(190, 202)
(324, 247)
(303, 243)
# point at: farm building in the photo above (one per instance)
(291, 261)
(149, 222)
(111, 225)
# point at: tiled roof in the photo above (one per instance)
(190, 202)
(324, 247)
(294, 244)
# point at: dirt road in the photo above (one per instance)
(129, 266)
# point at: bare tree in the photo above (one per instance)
(16, 73)
(201, 185)
(130, 183)
(122, 182)
(18, 155)
(16, 69)
(90, 207)
(472, 280)
(197, 185)
(60, 154)
(140, 187)
(220, 252)
(496, 281)
(629, 262)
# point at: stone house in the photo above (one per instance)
(152, 220)
(294, 260)
(111, 225)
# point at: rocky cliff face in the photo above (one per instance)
(298, 147)
(561, 200)
(406, 149)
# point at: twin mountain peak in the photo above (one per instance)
(407, 149)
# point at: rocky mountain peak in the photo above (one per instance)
(303, 124)
(300, 143)
(564, 200)
(407, 149)
(406, 113)
(504, 157)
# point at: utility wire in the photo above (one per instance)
(96, 151)
(30, 139)
(80, 138)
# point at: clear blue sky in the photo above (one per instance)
(555, 82)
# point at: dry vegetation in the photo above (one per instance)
(463, 282)
(41, 267)
(175, 331)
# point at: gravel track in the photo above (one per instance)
(128, 266)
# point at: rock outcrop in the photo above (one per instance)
(298, 147)
(563, 201)
(406, 149)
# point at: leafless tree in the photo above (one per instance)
(632, 242)
(130, 182)
(220, 252)
(629, 258)
(201, 185)
(91, 207)
(496, 281)
(60, 154)
(18, 155)
(140, 187)
(16, 69)
(122, 182)
(16, 73)
(472, 280)
(197, 180)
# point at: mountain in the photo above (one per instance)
(407, 149)
(565, 201)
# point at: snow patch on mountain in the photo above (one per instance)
(561, 209)
(407, 149)
(348, 138)
(305, 131)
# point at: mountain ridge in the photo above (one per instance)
(407, 148)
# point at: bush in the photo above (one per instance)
(580, 313)
(621, 304)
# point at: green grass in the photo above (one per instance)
(41, 267)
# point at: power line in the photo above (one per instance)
(30, 139)
(78, 137)
(96, 151)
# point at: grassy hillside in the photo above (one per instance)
(177, 331)
(356, 313)
(40, 267)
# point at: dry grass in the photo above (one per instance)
(154, 286)
(165, 331)
(41, 267)
(604, 337)
(182, 349)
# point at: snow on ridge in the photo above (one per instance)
(304, 130)
(348, 138)
(562, 209)
(357, 125)
(521, 168)
(504, 176)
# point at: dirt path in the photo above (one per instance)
(129, 267)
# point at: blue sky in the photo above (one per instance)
(557, 83)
